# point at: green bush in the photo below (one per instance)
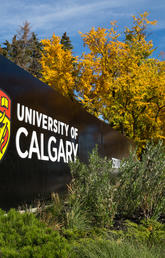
(23, 235)
(149, 231)
(137, 192)
(91, 191)
(141, 191)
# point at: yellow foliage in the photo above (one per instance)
(57, 66)
(115, 79)
(1, 51)
(119, 81)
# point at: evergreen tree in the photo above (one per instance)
(24, 50)
(36, 48)
(66, 42)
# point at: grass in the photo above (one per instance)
(114, 249)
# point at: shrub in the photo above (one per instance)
(137, 192)
(141, 191)
(23, 235)
(92, 190)
(150, 232)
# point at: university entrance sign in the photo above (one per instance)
(40, 133)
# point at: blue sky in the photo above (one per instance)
(73, 16)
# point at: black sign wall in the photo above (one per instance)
(40, 132)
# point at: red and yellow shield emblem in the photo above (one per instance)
(5, 117)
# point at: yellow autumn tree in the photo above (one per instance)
(121, 82)
(57, 66)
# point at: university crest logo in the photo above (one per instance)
(5, 119)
